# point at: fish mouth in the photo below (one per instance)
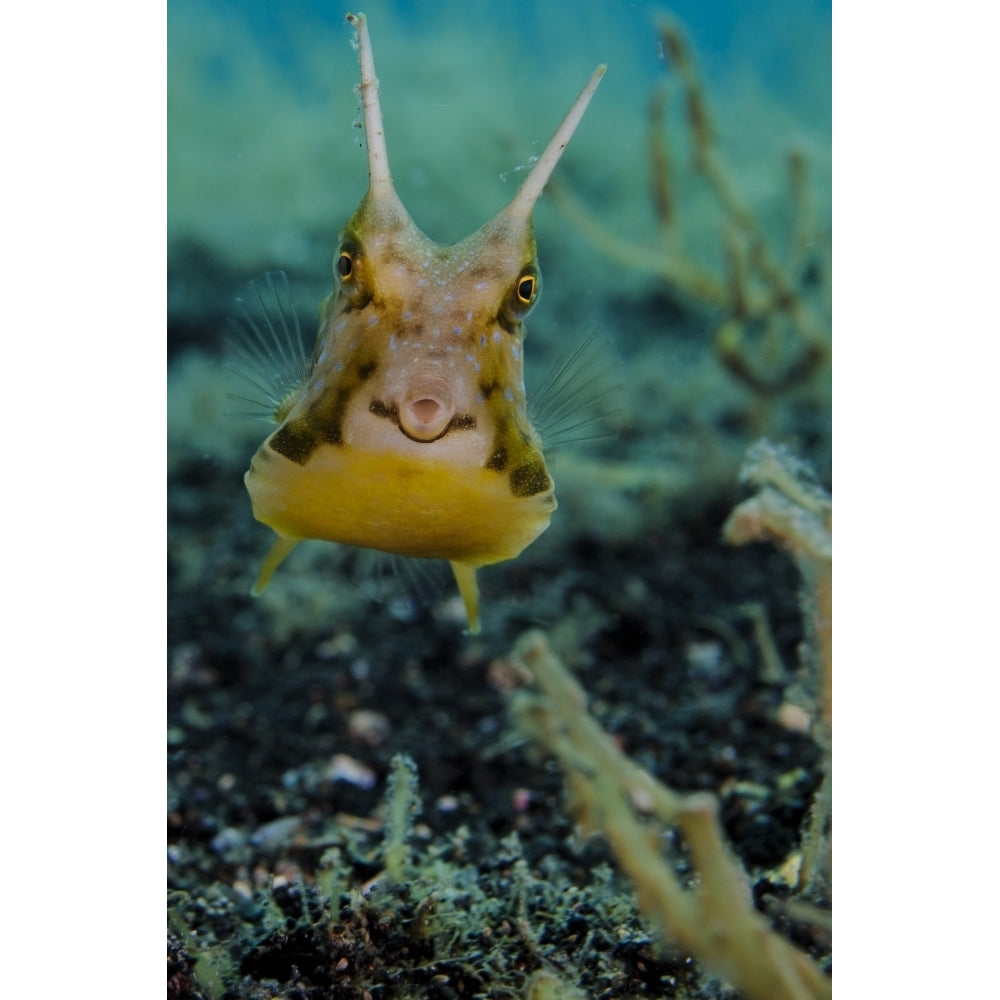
(423, 419)
(425, 415)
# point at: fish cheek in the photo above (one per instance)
(514, 453)
(322, 422)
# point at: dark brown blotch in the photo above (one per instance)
(296, 440)
(379, 409)
(326, 414)
(498, 460)
(529, 479)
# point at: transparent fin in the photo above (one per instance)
(265, 345)
(407, 586)
(465, 577)
(578, 394)
(274, 558)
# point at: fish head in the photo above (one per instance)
(424, 342)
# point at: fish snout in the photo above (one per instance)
(426, 408)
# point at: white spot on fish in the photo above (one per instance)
(508, 394)
(515, 351)
(457, 330)
(372, 320)
(338, 367)
(496, 336)
(322, 357)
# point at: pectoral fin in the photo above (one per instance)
(283, 544)
(465, 577)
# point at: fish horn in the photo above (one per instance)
(380, 189)
(519, 210)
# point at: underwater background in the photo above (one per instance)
(709, 291)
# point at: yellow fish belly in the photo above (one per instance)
(400, 504)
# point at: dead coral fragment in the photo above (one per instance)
(792, 511)
(715, 921)
(547, 985)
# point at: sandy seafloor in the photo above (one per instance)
(285, 711)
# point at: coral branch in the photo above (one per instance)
(795, 514)
(766, 304)
(791, 511)
(716, 922)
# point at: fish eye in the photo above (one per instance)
(522, 295)
(349, 266)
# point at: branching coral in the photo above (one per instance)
(793, 512)
(773, 334)
(715, 920)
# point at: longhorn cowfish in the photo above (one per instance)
(409, 432)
